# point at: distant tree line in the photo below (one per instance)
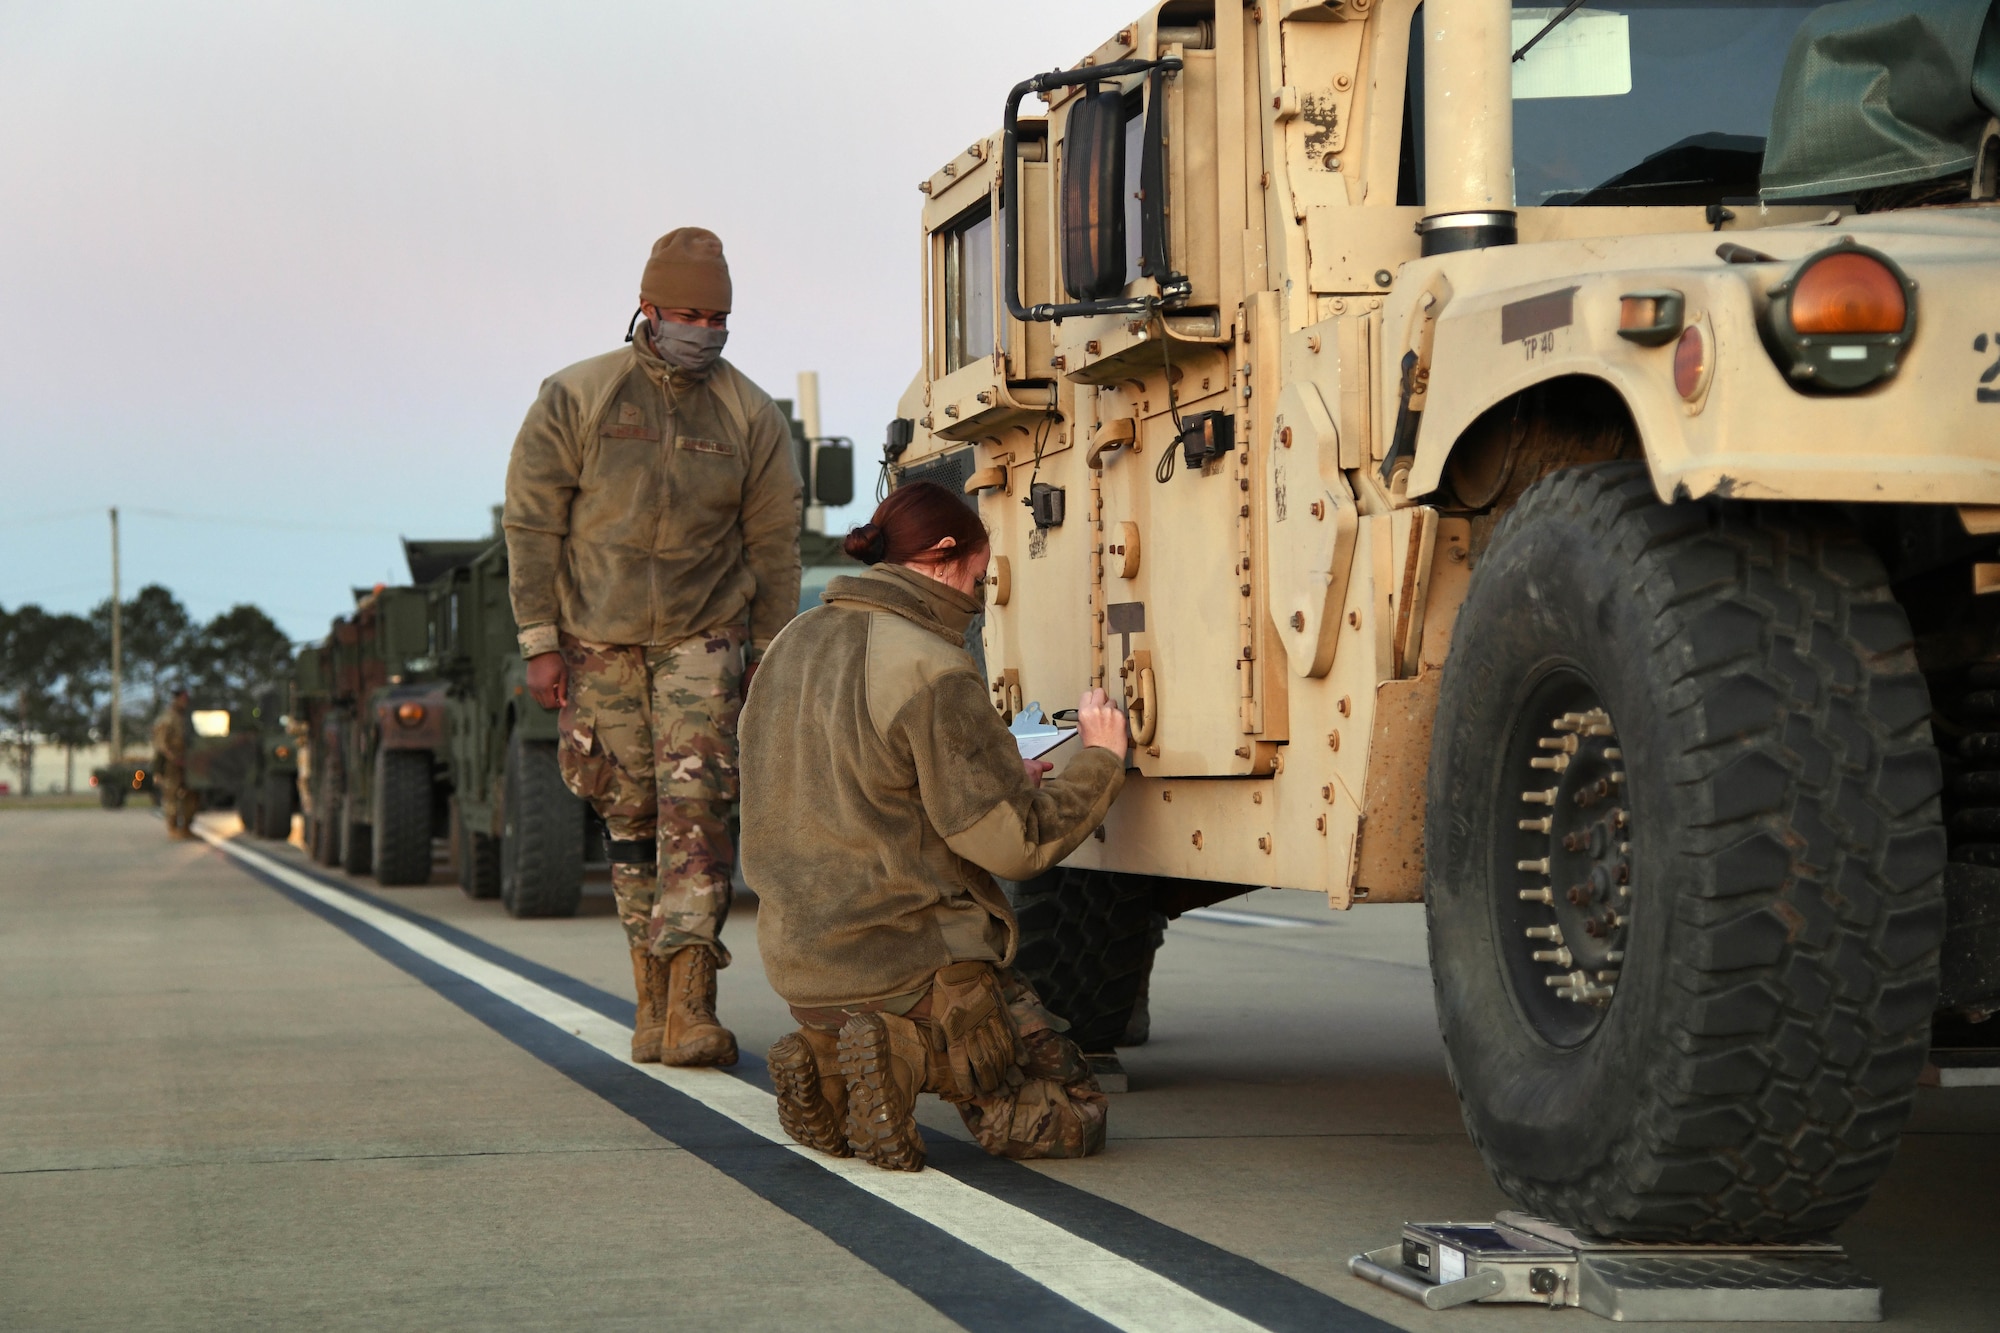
(55, 669)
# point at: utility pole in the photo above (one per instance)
(815, 515)
(117, 653)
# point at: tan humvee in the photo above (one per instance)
(1602, 544)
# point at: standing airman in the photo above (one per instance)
(652, 525)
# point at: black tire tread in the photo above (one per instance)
(541, 852)
(274, 807)
(402, 821)
(1805, 966)
(476, 856)
(1086, 937)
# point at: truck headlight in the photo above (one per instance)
(1842, 319)
(409, 715)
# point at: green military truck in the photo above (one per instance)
(378, 726)
(222, 754)
(116, 782)
(517, 833)
(268, 792)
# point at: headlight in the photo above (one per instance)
(409, 714)
(283, 752)
(1842, 319)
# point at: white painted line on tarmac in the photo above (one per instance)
(1116, 1290)
(1228, 918)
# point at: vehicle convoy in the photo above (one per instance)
(1535, 461)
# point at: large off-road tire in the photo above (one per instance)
(111, 795)
(402, 817)
(357, 840)
(541, 846)
(323, 830)
(1700, 729)
(475, 856)
(1086, 936)
(274, 807)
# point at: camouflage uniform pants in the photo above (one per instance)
(649, 739)
(177, 802)
(1045, 1101)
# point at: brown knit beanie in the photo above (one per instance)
(686, 271)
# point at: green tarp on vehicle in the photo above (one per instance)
(1883, 92)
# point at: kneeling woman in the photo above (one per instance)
(881, 794)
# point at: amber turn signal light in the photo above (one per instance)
(1651, 319)
(1848, 292)
(1842, 319)
(1691, 363)
(409, 714)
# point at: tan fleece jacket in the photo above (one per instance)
(882, 793)
(644, 507)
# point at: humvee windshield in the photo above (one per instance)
(1630, 102)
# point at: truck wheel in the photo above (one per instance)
(476, 856)
(541, 848)
(111, 795)
(402, 822)
(1683, 863)
(325, 838)
(274, 817)
(356, 840)
(1086, 936)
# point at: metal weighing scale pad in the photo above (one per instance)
(1521, 1259)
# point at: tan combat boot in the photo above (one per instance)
(685, 995)
(812, 1092)
(882, 1057)
(650, 1025)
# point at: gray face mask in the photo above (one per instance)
(686, 347)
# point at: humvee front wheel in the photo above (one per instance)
(402, 817)
(1086, 940)
(1683, 859)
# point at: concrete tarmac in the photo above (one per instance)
(222, 1106)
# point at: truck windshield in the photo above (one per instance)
(1630, 102)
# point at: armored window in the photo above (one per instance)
(968, 287)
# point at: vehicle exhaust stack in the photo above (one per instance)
(1468, 125)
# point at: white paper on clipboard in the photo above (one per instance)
(1037, 745)
(1034, 734)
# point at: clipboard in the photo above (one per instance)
(1034, 734)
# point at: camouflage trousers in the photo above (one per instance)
(177, 802)
(1022, 1087)
(649, 739)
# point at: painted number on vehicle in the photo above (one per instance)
(1992, 372)
(1541, 345)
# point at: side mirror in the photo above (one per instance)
(1093, 188)
(833, 474)
(1092, 195)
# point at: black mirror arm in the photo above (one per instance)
(1010, 139)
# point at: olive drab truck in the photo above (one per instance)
(517, 832)
(377, 729)
(1536, 461)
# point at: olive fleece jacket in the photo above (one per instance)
(645, 507)
(880, 789)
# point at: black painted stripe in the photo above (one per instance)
(1243, 1286)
